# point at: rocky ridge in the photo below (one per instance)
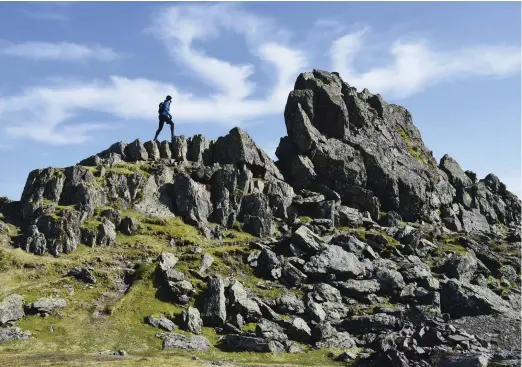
(385, 250)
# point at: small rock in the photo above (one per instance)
(161, 322)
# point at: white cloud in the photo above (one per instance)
(46, 113)
(62, 51)
(416, 65)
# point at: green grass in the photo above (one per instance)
(421, 157)
(305, 219)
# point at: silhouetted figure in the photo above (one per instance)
(165, 116)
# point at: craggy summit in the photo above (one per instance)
(356, 241)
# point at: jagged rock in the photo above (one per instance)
(191, 320)
(391, 280)
(390, 219)
(459, 266)
(307, 241)
(153, 150)
(280, 196)
(464, 360)
(268, 264)
(13, 333)
(46, 305)
(214, 307)
(178, 341)
(270, 331)
(334, 260)
(179, 148)
(198, 149)
(192, 200)
(161, 322)
(11, 309)
(167, 261)
(182, 290)
(237, 147)
(245, 343)
(82, 274)
(509, 272)
(299, 330)
(112, 215)
(106, 235)
(241, 303)
(462, 299)
(323, 292)
(128, 226)
(370, 323)
(289, 304)
(456, 175)
(358, 289)
(349, 217)
(315, 311)
(327, 337)
(165, 150)
(474, 221)
(206, 262)
(291, 276)
(135, 151)
(256, 215)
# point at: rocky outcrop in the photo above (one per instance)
(370, 153)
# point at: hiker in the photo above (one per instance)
(165, 116)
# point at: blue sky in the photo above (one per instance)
(77, 77)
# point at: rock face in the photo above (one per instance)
(370, 152)
(11, 309)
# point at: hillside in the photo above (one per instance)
(355, 248)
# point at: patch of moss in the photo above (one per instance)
(305, 219)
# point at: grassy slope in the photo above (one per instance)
(74, 336)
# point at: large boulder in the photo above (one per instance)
(181, 342)
(334, 260)
(214, 302)
(192, 200)
(238, 148)
(11, 309)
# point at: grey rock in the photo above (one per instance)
(289, 304)
(83, 274)
(181, 342)
(153, 150)
(128, 226)
(299, 330)
(241, 303)
(270, 331)
(462, 299)
(214, 308)
(269, 265)
(307, 241)
(135, 151)
(323, 292)
(165, 150)
(391, 280)
(191, 320)
(13, 333)
(349, 217)
(456, 175)
(206, 262)
(245, 343)
(179, 148)
(509, 272)
(46, 305)
(291, 276)
(358, 289)
(237, 147)
(256, 215)
(459, 266)
(192, 200)
(11, 309)
(182, 291)
(334, 260)
(166, 261)
(370, 323)
(161, 322)
(106, 235)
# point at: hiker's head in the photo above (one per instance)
(169, 98)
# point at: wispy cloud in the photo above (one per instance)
(60, 51)
(417, 65)
(50, 112)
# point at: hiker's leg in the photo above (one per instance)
(160, 127)
(171, 129)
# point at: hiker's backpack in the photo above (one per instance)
(160, 108)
